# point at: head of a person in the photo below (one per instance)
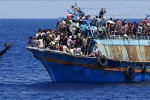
(39, 30)
(72, 6)
(30, 37)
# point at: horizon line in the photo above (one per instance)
(58, 18)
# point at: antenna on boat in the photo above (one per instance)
(147, 16)
(75, 3)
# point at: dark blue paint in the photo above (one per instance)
(72, 73)
(24, 78)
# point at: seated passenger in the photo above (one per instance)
(69, 41)
(139, 30)
(52, 44)
(38, 34)
(40, 43)
(60, 47)
(95, 51)
(125, 36)
(72, 49)
(78, 52)
(65, 49)
(30, 41)
(35, 42)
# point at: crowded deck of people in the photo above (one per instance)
(75, 33)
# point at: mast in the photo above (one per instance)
(147, 16)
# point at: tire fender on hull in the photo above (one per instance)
(129, 72)
(102, 60)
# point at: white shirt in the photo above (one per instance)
(40, 43)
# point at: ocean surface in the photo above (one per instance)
(22, 77)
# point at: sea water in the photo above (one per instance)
(22, 77)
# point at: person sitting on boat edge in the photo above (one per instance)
(95, 51)
(7, 47)
(40, 43)
(30, 41)
(65, 49)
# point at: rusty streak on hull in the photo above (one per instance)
(127, 52)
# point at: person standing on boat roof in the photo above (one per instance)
(81, 13)
(7, 47)
(144, 21)
(101, 13)
(71, 11)
(74, 11)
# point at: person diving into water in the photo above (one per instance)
(7, 47)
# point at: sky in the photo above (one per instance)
(56, 8)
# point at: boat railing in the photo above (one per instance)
(57, 27)
(123, 37)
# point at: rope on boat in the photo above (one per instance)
(59, 26)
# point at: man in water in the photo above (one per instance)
(7, 47)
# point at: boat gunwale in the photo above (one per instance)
(79, 56)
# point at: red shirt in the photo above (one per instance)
(60, 48)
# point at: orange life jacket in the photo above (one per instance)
(144, 21)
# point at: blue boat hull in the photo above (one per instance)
(64, 67)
